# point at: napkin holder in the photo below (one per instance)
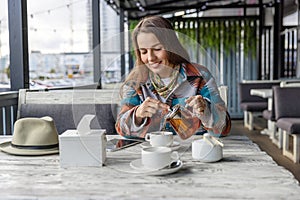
(81, 147)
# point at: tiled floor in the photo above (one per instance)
(265, 144)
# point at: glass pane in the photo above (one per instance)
(59, 38)
(4, 48)
(110, 45)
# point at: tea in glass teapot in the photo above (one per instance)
(183, 121)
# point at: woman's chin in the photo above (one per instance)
(157, 71)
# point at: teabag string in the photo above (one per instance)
(164, 121)
(212, 140)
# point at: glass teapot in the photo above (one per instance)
(184, 122)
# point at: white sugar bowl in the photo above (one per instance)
(208, 149)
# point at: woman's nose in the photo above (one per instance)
(151, 55)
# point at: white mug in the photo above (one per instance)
(158, 157)
(205, 151)
(160, 138)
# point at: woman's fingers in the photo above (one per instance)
(149, 107)
(197, 103)
(164, 106)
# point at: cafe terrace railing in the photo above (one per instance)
(9, 108)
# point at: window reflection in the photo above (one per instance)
(60, 43)
(59, 34)
(4, 48)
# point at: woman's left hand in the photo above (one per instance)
(198, 103)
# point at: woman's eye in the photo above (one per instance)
(143, 51)
(158, 48)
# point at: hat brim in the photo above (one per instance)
(7, 148)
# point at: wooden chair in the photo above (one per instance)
(253, 105)
(68, 106)
(287, 114)
(275, 134)
(223, 89)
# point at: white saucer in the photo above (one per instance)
(138, 166)
(175, 145)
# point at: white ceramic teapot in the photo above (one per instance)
(208, 149)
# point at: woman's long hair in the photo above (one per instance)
(165, 33)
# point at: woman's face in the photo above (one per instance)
(153, 54)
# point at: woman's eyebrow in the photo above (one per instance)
(155, 45)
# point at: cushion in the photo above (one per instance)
(291, 125)
(67, 116)
(254, 106)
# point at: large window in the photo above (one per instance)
(60, 46)
(59, 38)
(4, 47)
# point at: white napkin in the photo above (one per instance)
(83, 127)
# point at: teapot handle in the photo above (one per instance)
(212, 140)
(207, 139)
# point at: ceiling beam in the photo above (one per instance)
(184, 7)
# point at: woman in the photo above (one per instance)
(163, 77)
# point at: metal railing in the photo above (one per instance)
(289, 53)
(9, 108)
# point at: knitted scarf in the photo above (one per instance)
(164, 90)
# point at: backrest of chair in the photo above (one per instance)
(273, 102)
(290, 83)
(67, 107)
(245, 87)
(67, 116)
(223, 89)
(285, 84)
(286, 101)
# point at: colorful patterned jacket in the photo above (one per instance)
(193, 79)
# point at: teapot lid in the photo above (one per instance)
(173, 111)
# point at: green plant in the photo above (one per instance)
(216, 33)
(52, 71)
(132, 24)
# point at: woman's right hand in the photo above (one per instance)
(148, 108)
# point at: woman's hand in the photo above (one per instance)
(148, 108)
(198, 103)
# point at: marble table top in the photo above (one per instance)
(245, 172)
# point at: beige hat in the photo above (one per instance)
(32, 136)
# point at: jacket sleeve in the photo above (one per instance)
(124, 123)
(215, 119)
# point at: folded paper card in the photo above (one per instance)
(83, 146)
